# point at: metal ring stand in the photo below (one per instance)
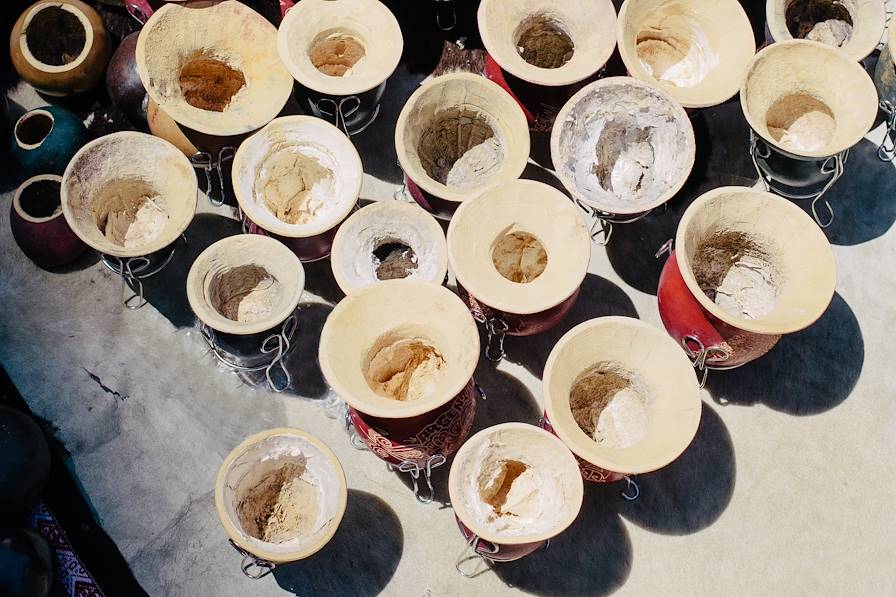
(409, 466)
(132, 270)
(353, 438)
(338, 111)
(449, 11)
(496, 328)
(263, 567)
(277, 343)
(205, 161)
(602, 222)
(702, 355)
(833, 166)
(886, 151)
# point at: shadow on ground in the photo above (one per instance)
(166, 290)
(598, 297)
(691, 493)
(360, 559)
(592, 557)
(813, 370)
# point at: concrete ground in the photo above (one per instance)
(786, 489)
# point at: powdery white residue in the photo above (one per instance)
(624, 421)
(833, 32)
(477, 164)
(150, 221)
(747, 289)
(677, 50)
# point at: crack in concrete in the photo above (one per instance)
(104, 388)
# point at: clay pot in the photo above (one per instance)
(250, 463)
(350, 100)
(123, 82)
(807, 104)
(358, 257)
(37, 223)
(128, 157)
(200, 38)
(589, 26)
(321, 145)
(436, 105)
(797, 253)
(44, 140)
(551, 476)
(260, 335)
(492, 233)
(29, 563)
(599, 115)
(660, 375)
(25, 466)
(390, 326)
(696, 50)
(45, 68)
(868, 20)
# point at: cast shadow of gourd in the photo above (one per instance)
(598, 297)
(692, 492)
(807, 373)
(506, 399)
(306, 378)
(360, 559)
(167, 290)
(862, 200)
(592, 557)
(722, 159)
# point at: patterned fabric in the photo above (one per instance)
(71, 573)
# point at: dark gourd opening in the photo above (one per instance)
(40, 199)
(55, 36)
(394, 260)
(827, 21)
(34, 128)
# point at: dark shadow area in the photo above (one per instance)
(306, 378)
(863, 200)
(598, 297)
(360, 559)
(376, 145)
(540, 174)
(166, 290)
(9, 178)
(319, 280)
(85, 260)
(633, 247)
(812, 371)
(755, 10)
(592, 557)
(691, 493)
(540, 149)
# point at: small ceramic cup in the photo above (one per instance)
(621, 147)
(513, 487)
(130, 196)
(695, 50)
(44, 140)
(38, 226)
(292, 152)
(401, 353)
(866, 18)
(785, 286)
(807, 104)
(543, 83)
(493, 133)
(388, 240)
(260, 459)
(520, 251)
(639, 431)
(244, 290)
(341, 54)
(60, 47)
